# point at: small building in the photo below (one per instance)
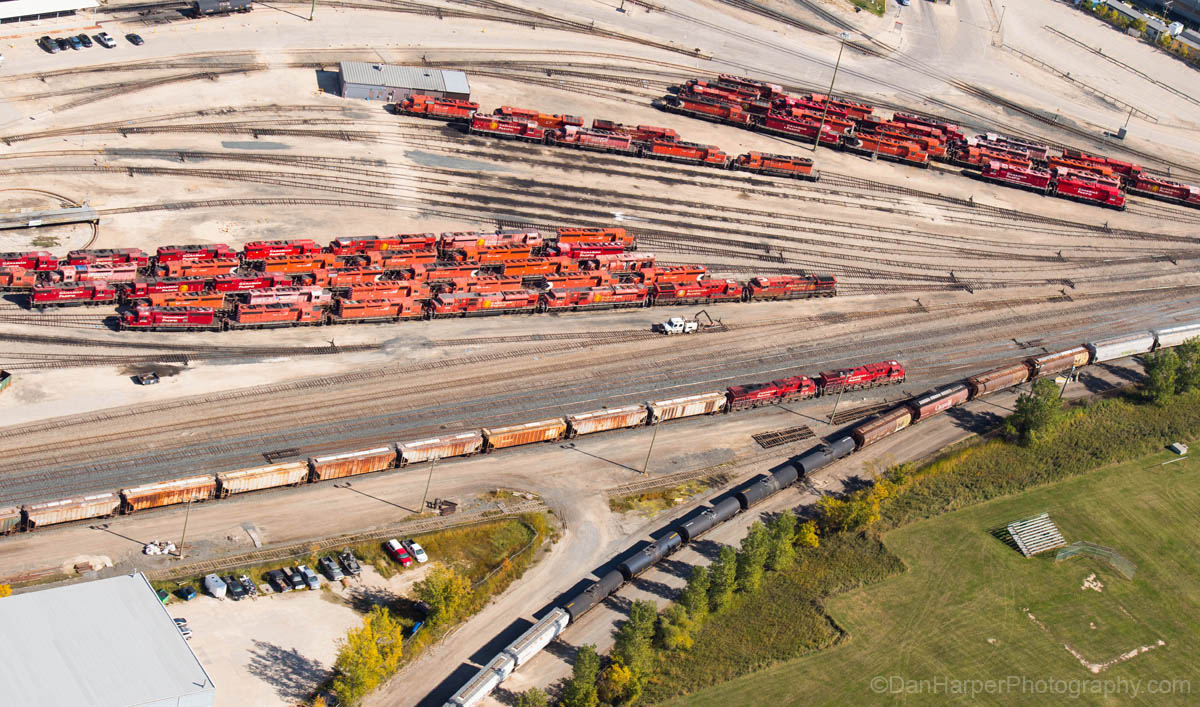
(1125, 11)
(30, 10)
(107, 643)
(385, 82)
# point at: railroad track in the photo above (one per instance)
(485, 514)
(860, 412)
(775, 438)
(66, 480)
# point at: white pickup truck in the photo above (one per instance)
(677, 325)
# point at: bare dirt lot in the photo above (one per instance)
(230, 129)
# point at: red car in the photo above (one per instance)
(398, 553)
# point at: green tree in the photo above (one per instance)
(675, 629)
(533, 697)
(619, 685)
(753, 558)
(1187, 378)
(1035, 412)
(633, 644)
(1162, 370)
(722, 580)
(580, 690)
(694, 597)
(807, 536)
(368, 655)
(446, 592)
(783, 538)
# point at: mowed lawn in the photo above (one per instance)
(960, 612)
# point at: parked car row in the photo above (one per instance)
(54, 45)
(405, 552)
(303, 577)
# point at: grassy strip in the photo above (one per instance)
(1086, 438)
(785, 619)
(1090, 436)
(654, 502)
(875, 7)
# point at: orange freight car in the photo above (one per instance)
(388, 290)
(377, 310)
(212, 300)
(199, 268)
(17, 278)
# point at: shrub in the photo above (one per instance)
(722, 579)
(752, 559)
(367, 655)
(580, 689)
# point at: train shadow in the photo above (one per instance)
(977, 421)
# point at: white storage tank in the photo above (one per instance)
(1121, 346)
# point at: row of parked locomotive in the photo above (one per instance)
(917, 140)
(840, 124)
(741, 498)
(373, 279)
(647, 141)
(196, 488)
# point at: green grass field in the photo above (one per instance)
(961, 611)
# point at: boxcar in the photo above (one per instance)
(687, 406)
(335, 466)
(527, 433)
(68, 509)
(423, 450)
(602, 420)
(262, 477)
(886, 424)
(166, 493)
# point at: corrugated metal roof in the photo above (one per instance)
(107, 643)
(417, 77)
(28, 8)
(26, 218)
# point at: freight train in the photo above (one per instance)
(741, 498)
(380, 279)
(754, 105)
(334, 466)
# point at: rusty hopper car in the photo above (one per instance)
(691, 405)
(601, 420)
(888, 423)
(528, 433)
(938, 401)
(423, 450)
(262, 477)
(335, 466)
(1059, 361)
(68, 509)
(10, 520)
(166, 493)
(998, 379)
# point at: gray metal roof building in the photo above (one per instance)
(107, 643)
(385, 82)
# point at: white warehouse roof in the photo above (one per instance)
(418, 77)
(107, 643)
(29, 8)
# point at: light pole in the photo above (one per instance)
(428, 481)
(186, 514)
(312, 10)
(999, 27)
(836, 403)
(646, 464)
(829, 96)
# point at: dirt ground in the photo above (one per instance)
(275, 649)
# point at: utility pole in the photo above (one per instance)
(999, 28)
(1063, 392)
(186, 514)
(829, 96)
(312, 10)
(836, 403)
(646, 464)
(428, 481)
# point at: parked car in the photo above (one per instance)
(215, 586)
(75, 43)
(310, 577)
(86, 41)
(163, 596)
(106, 40)
(186, 592)
(330, 568)
(350, 563)
(416, 551)
(249, 585)
(62, 43)
(134, 39)
(48, 44)
(181, 622)
(398, 553)
(279, 580)
(236, 591)
(184, 629)
(296, 577)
